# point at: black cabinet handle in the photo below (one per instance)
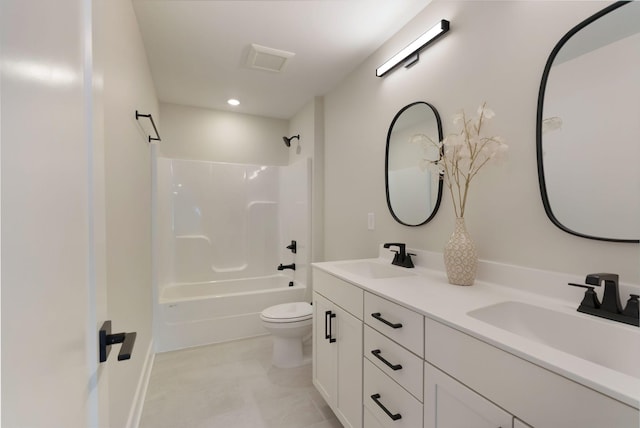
(376, 398)
(327, 330)
(376, 353)
(326, 322)
(377, 316)
(107, 339)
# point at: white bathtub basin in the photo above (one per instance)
(375, 270)
(615, 346)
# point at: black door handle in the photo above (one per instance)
(107, 339)
(378, 316)
(376, 398)
(394, 367)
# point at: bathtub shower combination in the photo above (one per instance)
(221, 232)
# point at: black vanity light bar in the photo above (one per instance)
(413, 49)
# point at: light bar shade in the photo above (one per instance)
(414, 47)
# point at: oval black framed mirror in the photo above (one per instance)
(413, 191)
(587, 127)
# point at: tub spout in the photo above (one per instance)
(292, 266)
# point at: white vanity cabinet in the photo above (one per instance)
(380, 363)
(337, 346)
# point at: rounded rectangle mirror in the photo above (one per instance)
(413, 191)
(588, 127)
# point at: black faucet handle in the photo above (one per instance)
(590, 299)
(633, 307)
(408, 263)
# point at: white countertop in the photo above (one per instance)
(429, 293)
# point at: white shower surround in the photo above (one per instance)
(221, 231)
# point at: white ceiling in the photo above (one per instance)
(197, 49)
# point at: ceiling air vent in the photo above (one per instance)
(269, 59)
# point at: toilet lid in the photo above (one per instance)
(288, 312)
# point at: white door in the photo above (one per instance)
(52, 218)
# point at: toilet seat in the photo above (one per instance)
(287, 313)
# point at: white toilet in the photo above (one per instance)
(289, 323)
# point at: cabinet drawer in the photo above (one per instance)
(370, 421)
(409, 375)
(396, 322)
(399, 404)
(346, 295)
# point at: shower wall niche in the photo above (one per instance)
(221, 221)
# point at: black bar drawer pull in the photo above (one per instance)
(377, 316)
(376, 398)
(376, 353)
(328, 315)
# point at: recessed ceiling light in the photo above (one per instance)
(233, 102)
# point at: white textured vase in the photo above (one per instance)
(460, 256)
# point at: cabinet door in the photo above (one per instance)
(325, 353)
(349, 335)
(449, 404)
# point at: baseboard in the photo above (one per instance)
(141, 391)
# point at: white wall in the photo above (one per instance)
(494, 52)
(127, 87)
(214, 135)
(309, 123)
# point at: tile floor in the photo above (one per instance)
(232, 385)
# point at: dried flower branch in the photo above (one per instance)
(463, 154)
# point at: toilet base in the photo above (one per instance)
(287, 352)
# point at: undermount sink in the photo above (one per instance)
(599, 341)
(375, 270)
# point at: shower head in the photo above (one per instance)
(287, 140)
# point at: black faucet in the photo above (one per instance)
(610, 308)
(292, 266)
(611, 297)
(402, 258)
